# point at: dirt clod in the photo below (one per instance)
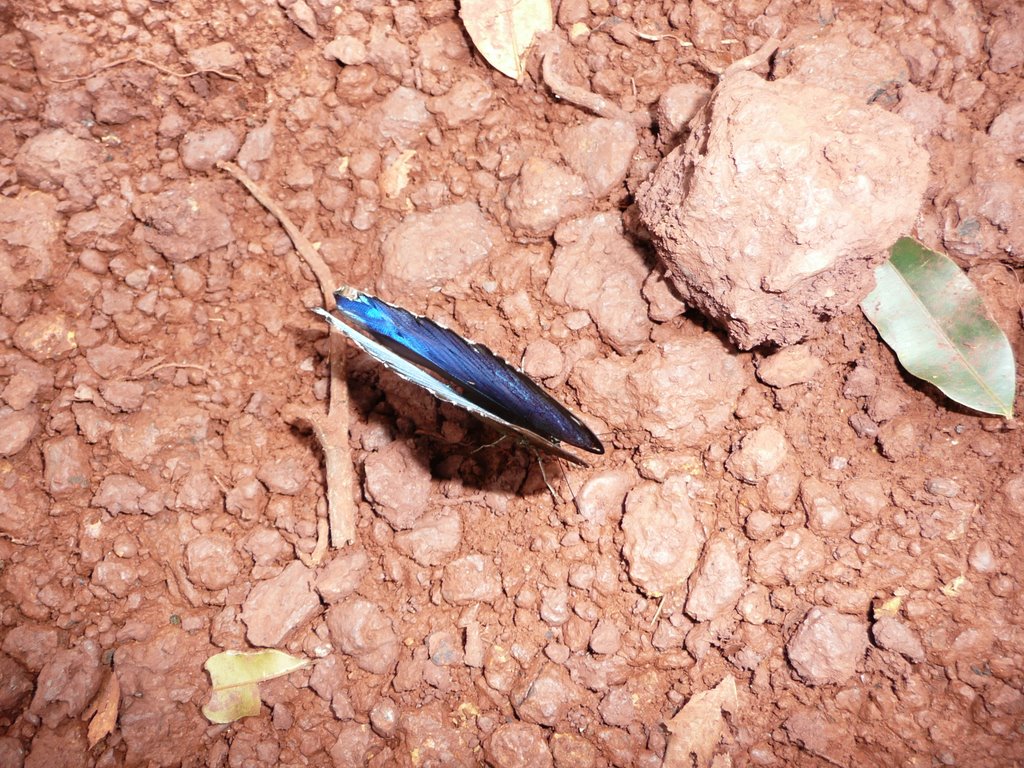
(544, 697)
(211, 562)
(364, 632)
(470, 579)
(419, 253)
(893, 635)
(543, 195)
(771, 293)
(398, 484)
(518, 745)
(16, 429)
(804, 524)
(827, 647)
(595, 268)
(202, 150)
(292, 589)
(67, 683)
(184, 221)
(759, 455)
(719, 582)
(662, 538)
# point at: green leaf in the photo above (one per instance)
(236, 676)
(933, 317)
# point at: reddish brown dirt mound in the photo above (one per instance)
(837, 541)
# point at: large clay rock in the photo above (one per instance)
(784, 198)
(846, 56)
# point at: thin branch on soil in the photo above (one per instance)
(337, 457)
(581, 97)
(159, 365)
(657, 613)
(299, 240)
(603, 107)
(756, 59)
(331, 430)
(316, 557)
(653, 37)
(148, 63)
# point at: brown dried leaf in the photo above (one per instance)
(699, 726)
(395, 177)
(504, 30)
(104, 710)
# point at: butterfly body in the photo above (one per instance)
(459, 372)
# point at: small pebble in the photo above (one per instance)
(759, 524)
(789, 366)
(942, 486)
(20, 391)
(384, 718)
(543, 359)
(444, 648)
(893, 635)
(286, 476)
(518, 744)
(125, 546)
(346, 49)
(827, 647)
(221, 56)
(557, 652)
(546, 698)
(16, 429)
(282, 717)
(202, 150)
(470, 579)
(46, 337)
(1001, 585)
(606, 638)
(678, 104)
(981, 557)
(211, 561)
(66, 465)
(759, 455)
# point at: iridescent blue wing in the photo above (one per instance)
(458, 371)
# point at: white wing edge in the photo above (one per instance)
(437, 387)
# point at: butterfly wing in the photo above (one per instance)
(469, 371)
(437, 387)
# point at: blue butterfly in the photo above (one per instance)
(459, 372)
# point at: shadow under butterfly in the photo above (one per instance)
(459, 372)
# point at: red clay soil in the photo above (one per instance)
(809, 527)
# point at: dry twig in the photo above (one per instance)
(159, 365)
(148, 63)
(756, 59)
(316, 557)
(331, 430)
(581, 97)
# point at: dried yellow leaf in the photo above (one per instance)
(395, 177)
(504, 30)
(236, 676)
(889, 608)
(952, 589)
